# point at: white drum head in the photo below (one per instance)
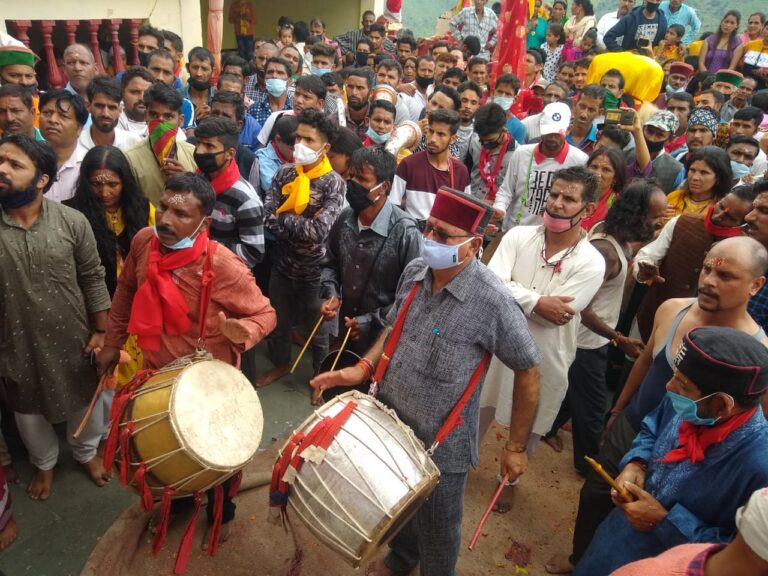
(216, 415)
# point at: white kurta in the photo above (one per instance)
(518, 261)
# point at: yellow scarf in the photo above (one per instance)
(298, 189)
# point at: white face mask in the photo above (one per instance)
(303, 155)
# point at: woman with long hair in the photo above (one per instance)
(583, 19)
(109, 197)
(723, 49)
(708, 179)
(611, 170)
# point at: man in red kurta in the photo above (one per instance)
(158, 293)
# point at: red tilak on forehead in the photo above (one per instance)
(714, 262)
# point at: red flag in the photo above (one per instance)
(511, 36)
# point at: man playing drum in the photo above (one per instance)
(158, 293)
(456, 313)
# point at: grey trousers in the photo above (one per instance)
(297, 303)
(433, 538)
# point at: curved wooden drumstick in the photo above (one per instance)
(480, 524)
(306, 344)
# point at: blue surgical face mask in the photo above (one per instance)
(687, 409)
(670, 90)
(186, 242)
(441, 256)
(739, 170)
(319, 71)
(504, 101)
(276, 86)
(377, 138)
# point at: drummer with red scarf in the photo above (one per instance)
(158, 293)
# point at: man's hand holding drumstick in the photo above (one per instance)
(354, 375)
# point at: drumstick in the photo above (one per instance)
(99, 390)
(623, 494)
(312, 335)
(480, 524)
(343, 345)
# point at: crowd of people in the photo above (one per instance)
(603, 258)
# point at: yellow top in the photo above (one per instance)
(683, 204)
(115, 224)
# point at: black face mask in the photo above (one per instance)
(18, 198)
(357, 196)
(199, 85)
(207, 161)
(361, 58)
(144, 59)
(423, 82)
(651, 7)
(654, 146)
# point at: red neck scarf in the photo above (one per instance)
(489, 174)
(225, 179)
(694, 439)
(719, 231)
(673, 145)
(159, 306)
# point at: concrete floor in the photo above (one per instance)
(57, 536)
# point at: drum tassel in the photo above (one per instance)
(182, 557)
(139, 478)
(125, 453)
(165, 516)
(218, 512)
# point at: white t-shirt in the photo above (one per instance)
(522, 195)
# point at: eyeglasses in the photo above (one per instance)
(428, 228)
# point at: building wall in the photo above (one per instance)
(340, 15)
(182, 16)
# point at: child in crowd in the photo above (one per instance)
(671, 47)
(588, 46)
(553, 50)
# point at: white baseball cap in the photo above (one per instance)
(555, 119)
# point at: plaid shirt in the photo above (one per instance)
(252, 89)
(696, 567)
(758, 307)
(261, 108)
(445, 335)
(465, 23)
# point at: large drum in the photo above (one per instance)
(193, 424)
(367, 484)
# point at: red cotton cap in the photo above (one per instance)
(461, 210)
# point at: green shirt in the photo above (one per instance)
(51, 279)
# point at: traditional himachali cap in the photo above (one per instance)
(681, 68)
(752, 522)
(461, 210)
(726, 360)
(555, 119)
(729, 77)
(663, 120)
(704, 116)
(10, 55)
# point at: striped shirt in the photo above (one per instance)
(238, 222)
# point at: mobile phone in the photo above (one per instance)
(643, 43)
(624, 116)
